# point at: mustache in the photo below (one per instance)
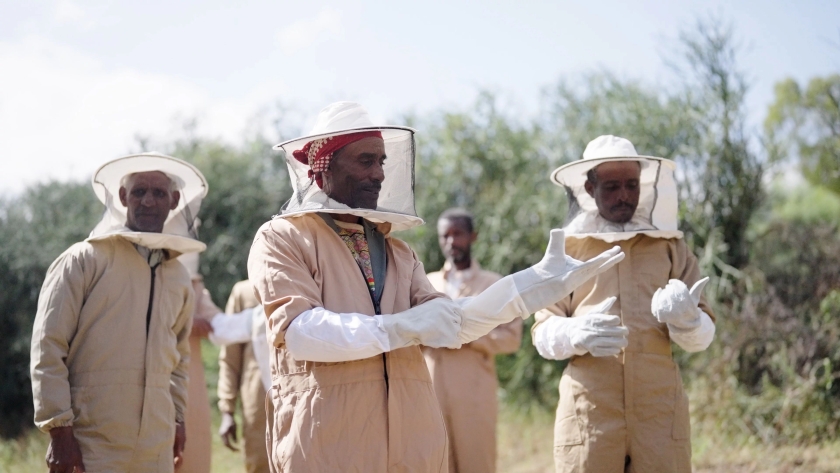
(371, 187)
(622, 205)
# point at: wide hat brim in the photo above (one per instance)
(388, 132)
(191, 182)
(574, 174)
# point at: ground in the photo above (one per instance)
(525, 446)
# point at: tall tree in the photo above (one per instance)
(806, 123)
(492, 164)
(35, 228)
(722, 186)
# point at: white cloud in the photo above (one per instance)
(62, 113)
(69, 12)
(308, 32)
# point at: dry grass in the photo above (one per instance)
(525, 442)
(26, 455)
(768, 459)
(525, 446)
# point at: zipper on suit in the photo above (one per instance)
(151, 299)
(378, 311)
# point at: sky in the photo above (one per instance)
(80, 80)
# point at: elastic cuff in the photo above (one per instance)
(55, 425)
(697, 339)
(65, 419)
(552, 341)
(227, 405)
(179, 417)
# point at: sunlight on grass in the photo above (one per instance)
(524, 446)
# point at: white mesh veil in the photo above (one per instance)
(656, 214)
(396, 197)
(179, 232)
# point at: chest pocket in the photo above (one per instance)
(163, 335)
(654, 268)
(168, 304)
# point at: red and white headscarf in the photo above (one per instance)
(318, 153)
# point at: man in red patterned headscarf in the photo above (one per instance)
(348, 304)
(319, 153)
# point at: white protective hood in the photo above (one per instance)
(396, 198)
(179, 232)
(656, 214)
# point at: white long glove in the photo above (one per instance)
(434, 324)
(601, 334)
(321, 335)
(677, 306)
(558, 274)
(232, 328)
(532, 289)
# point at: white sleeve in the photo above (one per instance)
(229, 329)
(498, 304)
(259, 343)
(552, 340)
(320, 335)
(696, 339)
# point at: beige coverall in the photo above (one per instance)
(373, 415)
(197, 449)
(465, 380)
(93, 365)
(239, 375)
(626, 413)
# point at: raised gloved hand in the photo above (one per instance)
(557, 274)
(676, 305)
(531, 289)
(435, 324)
(600, 334)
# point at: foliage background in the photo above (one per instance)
(770, 243)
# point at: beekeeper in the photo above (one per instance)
(347, 304)
(110, 344)
(243, 365)
(465, 379)
(196, 458)
(622, 405)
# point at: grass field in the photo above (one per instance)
(525, 446)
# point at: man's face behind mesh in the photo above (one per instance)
(355, 175)
(148, 198)
(616, 190)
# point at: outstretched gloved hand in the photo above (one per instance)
(557, 274)
(598, 333)
(676, 305)
(435, 324)
(531, 289)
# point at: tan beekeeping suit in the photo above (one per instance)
(94, 367)
(197, 449)
(239, 376)
(465, 380)
(378, 414)
(631, 407)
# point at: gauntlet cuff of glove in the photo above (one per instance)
(551, 339)
(694, 339)
(498, 304)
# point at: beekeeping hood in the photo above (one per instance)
(656, 214)
(337, 125)
(179, 233)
